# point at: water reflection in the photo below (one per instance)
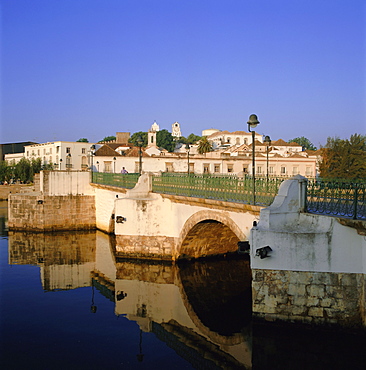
(201, 310)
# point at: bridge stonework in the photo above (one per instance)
(166, 227)
(315, 272)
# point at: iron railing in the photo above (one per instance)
(225, 188)
(337, 198)
(327, 197)
(127, 181)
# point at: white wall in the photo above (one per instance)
(305, 242)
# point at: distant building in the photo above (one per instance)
(209, 131)
(13, 148)
(176, 133)
(155, 127)
(62, 155)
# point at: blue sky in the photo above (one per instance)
(90, 68)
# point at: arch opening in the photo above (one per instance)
(208, 238)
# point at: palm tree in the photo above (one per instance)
(204, 146)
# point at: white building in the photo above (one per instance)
(62, 155)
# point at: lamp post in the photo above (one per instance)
(139, 144)
(188, 148)
(267, 140)
(114, 164)
(68, 161)
(97, 166)
(60, 163)
(92, 151)
(252, 123)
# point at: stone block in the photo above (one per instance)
(315, 290)
(316, 312)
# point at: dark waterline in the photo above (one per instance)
(66, 302)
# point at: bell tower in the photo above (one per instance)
(176, 130)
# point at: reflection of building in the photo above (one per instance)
(65, 259)
(158, 297)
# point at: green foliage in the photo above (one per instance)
(108, 138)
(204, 146)
(135, 137)
(23, 171)
(82, 140)
(191, 139)
(304, 142)
(344, 159)
(164, 139)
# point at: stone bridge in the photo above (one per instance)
(168, 227)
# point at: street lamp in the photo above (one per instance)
(92, 152)
(188, 149)
(114, 164)
(60, 163)
(68, 161)
(139, 144)
(267, 140)
(252, 123)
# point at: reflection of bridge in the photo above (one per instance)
(186, 307)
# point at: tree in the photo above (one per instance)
(192, 138)
(23, 170)
(108, 138)
(304, 142)
(344, 158)
(4, 171)
(135, 137)
(204, 146)
(83, 140)
(164, 139)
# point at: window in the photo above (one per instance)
(245, 169)
(230, 168)
(295, 170)
(57, 149)
(283, 170)
(308, 171)
(50, 150)
(38, 152)
(238, 141)
(83, 150)
(169, 167)
(44, 150)
(246, 141)
(217, 168)
(68, 150)
(270, 170)
(259, 170)
(206, 168)
(191, 167)
(108, 166)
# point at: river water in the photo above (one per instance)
(68, 302)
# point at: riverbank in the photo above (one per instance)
(5, 190)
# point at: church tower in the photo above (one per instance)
(176, 130)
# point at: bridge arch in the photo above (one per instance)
(208, 232)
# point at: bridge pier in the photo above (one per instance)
(314, 269)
